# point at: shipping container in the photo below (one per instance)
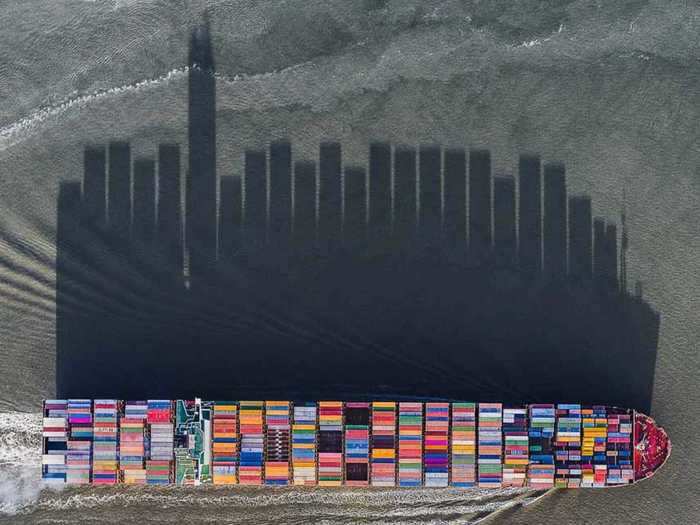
(55, 437)
(410, 444)
(159, 417)
(225, 443)
(330, 443)
(619, 447)
(567, 446)
(383, 444)
(250, 471)
(357, 421)
(79, 445)
(515, 447)
(541, 444)
(436, 463)
(490, 445)
(304, 444)
(594, 424)
(132, 442)
(277, 442)
(463, 443)
(105, 442)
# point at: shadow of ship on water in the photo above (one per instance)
(423, 275)
(304, 309)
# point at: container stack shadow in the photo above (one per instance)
(414, 280)
(421, 274)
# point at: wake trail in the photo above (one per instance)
(22, 491)
(16, 132)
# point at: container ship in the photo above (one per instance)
(345, 443)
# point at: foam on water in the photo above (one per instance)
(20, 461)
(20, 438)
(266, 497)
(17, 131)
(22, 492)
(274, 505)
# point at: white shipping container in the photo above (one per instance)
(54, 422)
(53, 459)
(58, 434)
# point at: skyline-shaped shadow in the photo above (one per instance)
(421, 274)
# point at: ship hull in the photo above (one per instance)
(384, 443)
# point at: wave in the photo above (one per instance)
(20, 461)
(264, 497)
(17, 131)
(23, 492)
(285, 505)
(20, 438)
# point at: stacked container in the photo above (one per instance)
(80, 419)
(515, 449)
(490, 445)
(55, 435)
(626, 427)
(225, 443)
(160, 421)
(132, 451)
(78, 462)
(136, 410)
(383, 444)
(600, 459)
(410, 444)
(330, 443)
(541, 437)
(541, 446)
(463, 472)
(587, 447)
(436, 464)
(594, 468)
(250, 471)
(105, 452)
(357, 444)
(158, 472)
(277, 442)
(568, 446)
(619, 447)
(79, 445)
(304, 444)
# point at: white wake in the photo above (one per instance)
(19, 130)
(20, 461)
